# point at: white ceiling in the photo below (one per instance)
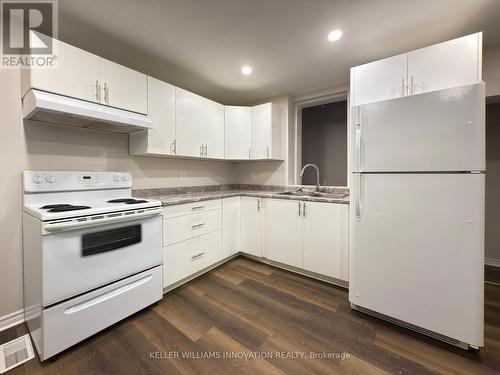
(200, 45)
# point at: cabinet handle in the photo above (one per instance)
(267, 152)
(97, 91)
(304, 209)
(403, 87)
(300, 211)
(106, 93)
(174, 147)
(195, 226)
(258, 204)
(197, 255)
(197, 207)
(201, 150)
(206, 149)
(411, 85)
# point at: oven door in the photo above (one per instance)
(79, 260)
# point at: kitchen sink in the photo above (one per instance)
(314, 194)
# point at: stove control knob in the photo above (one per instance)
(124, 178)
(37, 179)
(116, 178)
(50, 179)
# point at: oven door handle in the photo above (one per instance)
(62, 226)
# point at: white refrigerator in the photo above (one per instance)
(416, 251)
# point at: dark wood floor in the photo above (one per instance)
(247, 307)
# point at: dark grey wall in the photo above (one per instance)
(493, 181)
(324, 143)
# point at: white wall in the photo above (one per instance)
(38, 147)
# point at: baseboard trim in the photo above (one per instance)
(12, 319)
(492, 262)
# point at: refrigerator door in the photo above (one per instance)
(416, 250)
(438, 131)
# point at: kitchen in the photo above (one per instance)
(235, 234)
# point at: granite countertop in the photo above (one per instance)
(172, 196)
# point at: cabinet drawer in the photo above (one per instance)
(184, 227)
(188, 257)
(190, 208)
(72, 321)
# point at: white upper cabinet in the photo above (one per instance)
(379, 80)
(123, 87)
(199, 126)
(441, 66)
(82, 75)
(251, 225)
(161, 110)
(449, 64)
(283, 231)
(238, 132)
(325, 235)
(266, 132)
(76, 75)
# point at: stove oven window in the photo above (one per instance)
(112, 239)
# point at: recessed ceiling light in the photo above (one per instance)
(334, 35)
(246, 70)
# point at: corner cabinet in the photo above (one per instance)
(83, 75)
(199, 126)
(238, 133)
(251, 225)
(308, 235)
(231, 231)
(161, 109)
(453, 63)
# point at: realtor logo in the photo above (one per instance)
(27, 32)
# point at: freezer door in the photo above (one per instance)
(438, 131)
(417, 250)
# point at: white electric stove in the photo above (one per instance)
(92, 254)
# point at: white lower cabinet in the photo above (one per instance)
(185, 258)
(325, 236)
(283, 236)
(308, 235)
(192, 238)
(230, 226)
(251, 225)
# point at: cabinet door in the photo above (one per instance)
(251, 226)
(230, 226)
(238, 132)
(379, 80)
(161, 111)
(261, 131)
(212, 128)
(192, 114)
(283, 231)
(76, 75)
(449, 64)
(123, 87)
(325, 234)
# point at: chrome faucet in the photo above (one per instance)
(317, 174)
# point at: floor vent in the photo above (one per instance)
(15, 352)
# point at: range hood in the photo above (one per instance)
(57, 109)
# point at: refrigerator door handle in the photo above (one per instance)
(357, 145)
(358, 197)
